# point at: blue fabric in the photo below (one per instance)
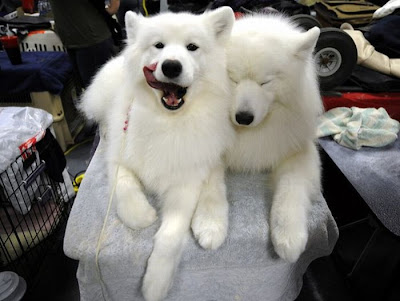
(39, 71)
(385, 36)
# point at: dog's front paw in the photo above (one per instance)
(136, 216)
(289, 239)
(210, 232)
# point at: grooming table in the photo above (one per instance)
(369, 248)
(375, 174)
(245, 267)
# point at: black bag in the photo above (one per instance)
(51, 152)
(374, 81)
(113, 25)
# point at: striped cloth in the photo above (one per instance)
(354, 127)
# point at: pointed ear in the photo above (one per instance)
(306, 42)
(132, 21)
(221, 22)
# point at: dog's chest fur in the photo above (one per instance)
(174, 148)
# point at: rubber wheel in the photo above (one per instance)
(336, 56)
(306, 21)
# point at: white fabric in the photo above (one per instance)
(387, 9)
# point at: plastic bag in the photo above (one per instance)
(20, 128)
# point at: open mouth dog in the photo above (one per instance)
(173, 94)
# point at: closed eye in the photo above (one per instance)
(231, 77)
(265, 83)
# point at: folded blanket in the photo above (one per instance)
(354, 127)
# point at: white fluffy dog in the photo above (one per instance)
(274, 110)
(164, 103)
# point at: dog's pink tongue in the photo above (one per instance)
(148, 74)
(171, 99)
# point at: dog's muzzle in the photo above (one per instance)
(173, 94)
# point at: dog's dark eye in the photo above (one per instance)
(192, 47)
(159, 45)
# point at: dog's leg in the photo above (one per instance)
(132, 206)
(177, 213)
(210, 220)
(295, 181)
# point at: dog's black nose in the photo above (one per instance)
(244, 118)
(171, 68)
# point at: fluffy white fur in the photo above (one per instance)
(168, 152)
(277, 100)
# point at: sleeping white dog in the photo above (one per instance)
(274, 111)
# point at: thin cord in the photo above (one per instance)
(146, 13)
(66, 153)
(100, 240)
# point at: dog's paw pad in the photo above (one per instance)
(289, 244)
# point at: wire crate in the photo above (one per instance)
(33, 208)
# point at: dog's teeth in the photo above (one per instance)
(179, 100)
(165, 99)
